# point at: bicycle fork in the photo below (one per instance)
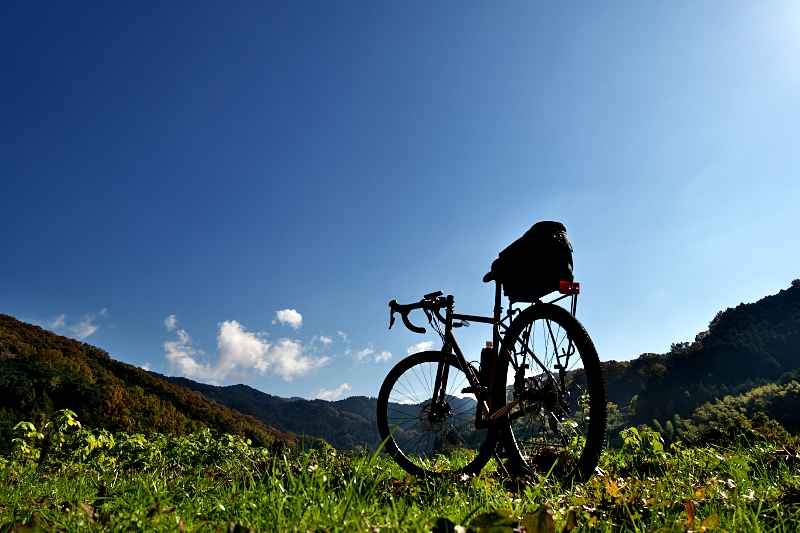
(440, 408)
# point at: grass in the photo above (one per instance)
(202, 483)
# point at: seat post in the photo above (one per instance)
(498, 311)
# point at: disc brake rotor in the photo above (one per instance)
(429, 420)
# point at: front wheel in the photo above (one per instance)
(426, 437)
(558, 426)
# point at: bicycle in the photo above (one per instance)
(537, 406)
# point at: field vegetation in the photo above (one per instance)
(747, 361)
(700, 439)
(63, 476)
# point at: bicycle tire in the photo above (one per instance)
(422, 447)
(549, 433)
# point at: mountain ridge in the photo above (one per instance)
(348, 423)
(695, 384)
(745, 348)
(42, 372)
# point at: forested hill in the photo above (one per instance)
(345, 424)
(41, 372)
(747, 361)
(746, 347)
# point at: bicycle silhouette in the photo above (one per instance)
(537, 406)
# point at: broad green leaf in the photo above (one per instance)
(540, 521)
(499, 521)
(710, 523)
(572, 521)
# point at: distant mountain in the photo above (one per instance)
(745, 348)
(748, 360)
(41, 372)
(345, 424)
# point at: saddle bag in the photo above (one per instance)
(533, 265)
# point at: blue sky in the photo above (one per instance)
(234, 191)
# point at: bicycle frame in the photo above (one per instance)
(539, 388)
(484, 416)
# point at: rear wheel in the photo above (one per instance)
(558, 427)
(426, 437)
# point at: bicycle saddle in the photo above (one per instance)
(489, 277)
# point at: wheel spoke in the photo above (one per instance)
(428, 439)
(554, 414)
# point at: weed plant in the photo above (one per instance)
(69, 478)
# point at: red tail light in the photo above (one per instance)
(569, 287)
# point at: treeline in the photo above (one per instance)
(345, 424)
(41, 373)
(746, 362)
(780, 401)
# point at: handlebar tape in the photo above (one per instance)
(404, 310)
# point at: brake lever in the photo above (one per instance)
(408, 324)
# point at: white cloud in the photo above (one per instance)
(363, 354)
(240, 353)
(331, 394)
(420, 347)
(181, 355)
(84, 328)
(366, 354)
(325, 340)
(289, 316)
(171, 322)
(81, 329)
(58, 322)
(343, 336)
(145, 366)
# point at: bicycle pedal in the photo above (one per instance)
(470, 390)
